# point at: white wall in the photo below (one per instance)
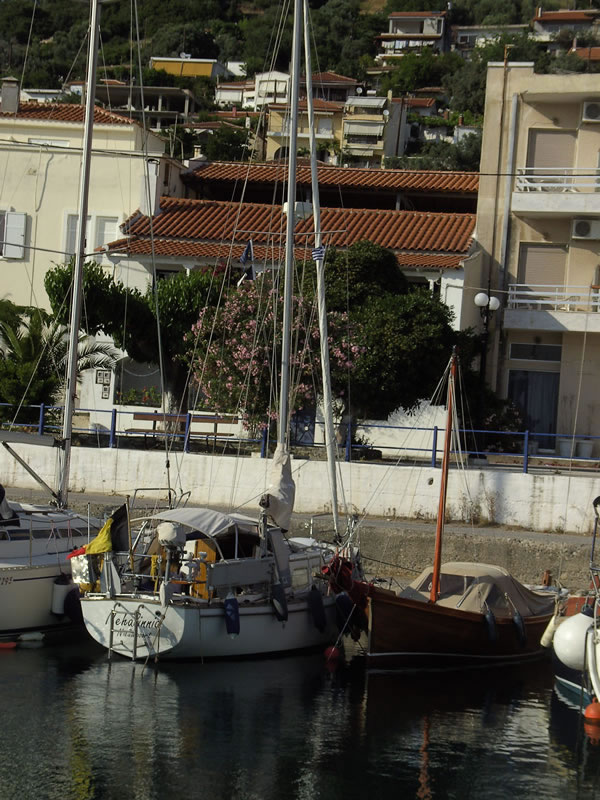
(533, 502)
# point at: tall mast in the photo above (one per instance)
(284, 410)
(330, 443)
(437, 559)
(76, 302)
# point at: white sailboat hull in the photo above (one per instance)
(26, 596)
(194, 630)
(29, 567)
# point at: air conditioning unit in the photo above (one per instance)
(586, 229)
(591, 111)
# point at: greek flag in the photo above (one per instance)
(318, 254)
(248, 254)
(249, 273)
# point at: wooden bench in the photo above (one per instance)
(180, 423)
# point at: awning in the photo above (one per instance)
(363, 128)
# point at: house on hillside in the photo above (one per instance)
(373, 129)
(190, 67)
(410, 32)
(328, 119)
(538, 240)
(548, 25)
(330, 86)
(466, 38)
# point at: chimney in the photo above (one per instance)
(10, 95)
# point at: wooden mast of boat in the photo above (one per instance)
(77, 293)
(437, 559)
(330, 442)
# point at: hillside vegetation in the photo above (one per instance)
(43, 41)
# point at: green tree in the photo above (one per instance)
(226, 144)
(130, 317)
(405, 333)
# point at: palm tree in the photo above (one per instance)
(33, 359)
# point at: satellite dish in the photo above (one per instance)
(359, 90)
(386, 113)
(185, 55)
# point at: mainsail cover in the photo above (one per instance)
(280, 495)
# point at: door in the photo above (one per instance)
(536, 394)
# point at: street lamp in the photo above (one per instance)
(487, 305)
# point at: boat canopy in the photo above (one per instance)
(207, 521)
(479, 587)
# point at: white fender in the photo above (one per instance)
(569, 640)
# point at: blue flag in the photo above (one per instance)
(248, 254)
(318, 254)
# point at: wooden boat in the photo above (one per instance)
(456, 614)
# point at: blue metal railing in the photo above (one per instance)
(497, 447)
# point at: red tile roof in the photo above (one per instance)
(352, 177)
(417, 14)
(419, 102)
(206, 229)
(262, 254)
(587, 53)
(566, 16)
(331, 77)
(66, 112)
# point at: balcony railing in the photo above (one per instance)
(559, 179)
(553, 298)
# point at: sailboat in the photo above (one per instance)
(456, 614)
(576, 638)
(36, 591)
(200, 583)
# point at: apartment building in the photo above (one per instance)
(538, 237)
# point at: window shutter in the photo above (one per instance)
(542, 265)
(14, 234)
(550, 149)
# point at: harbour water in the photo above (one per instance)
(76, 727)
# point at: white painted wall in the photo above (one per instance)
(533, 502)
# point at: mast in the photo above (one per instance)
(437, 559)
(330, 443)
(284, 410)
(76, 303)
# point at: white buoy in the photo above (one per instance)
(570, 638)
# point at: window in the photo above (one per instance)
(532, 351)
(99, 231)
(12, 234)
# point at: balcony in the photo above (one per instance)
(559, 192)
(553, 308)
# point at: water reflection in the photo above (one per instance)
(84, 729)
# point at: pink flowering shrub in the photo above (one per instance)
(235, 351)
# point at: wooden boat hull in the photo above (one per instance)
(406, 633)
(186, 630)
